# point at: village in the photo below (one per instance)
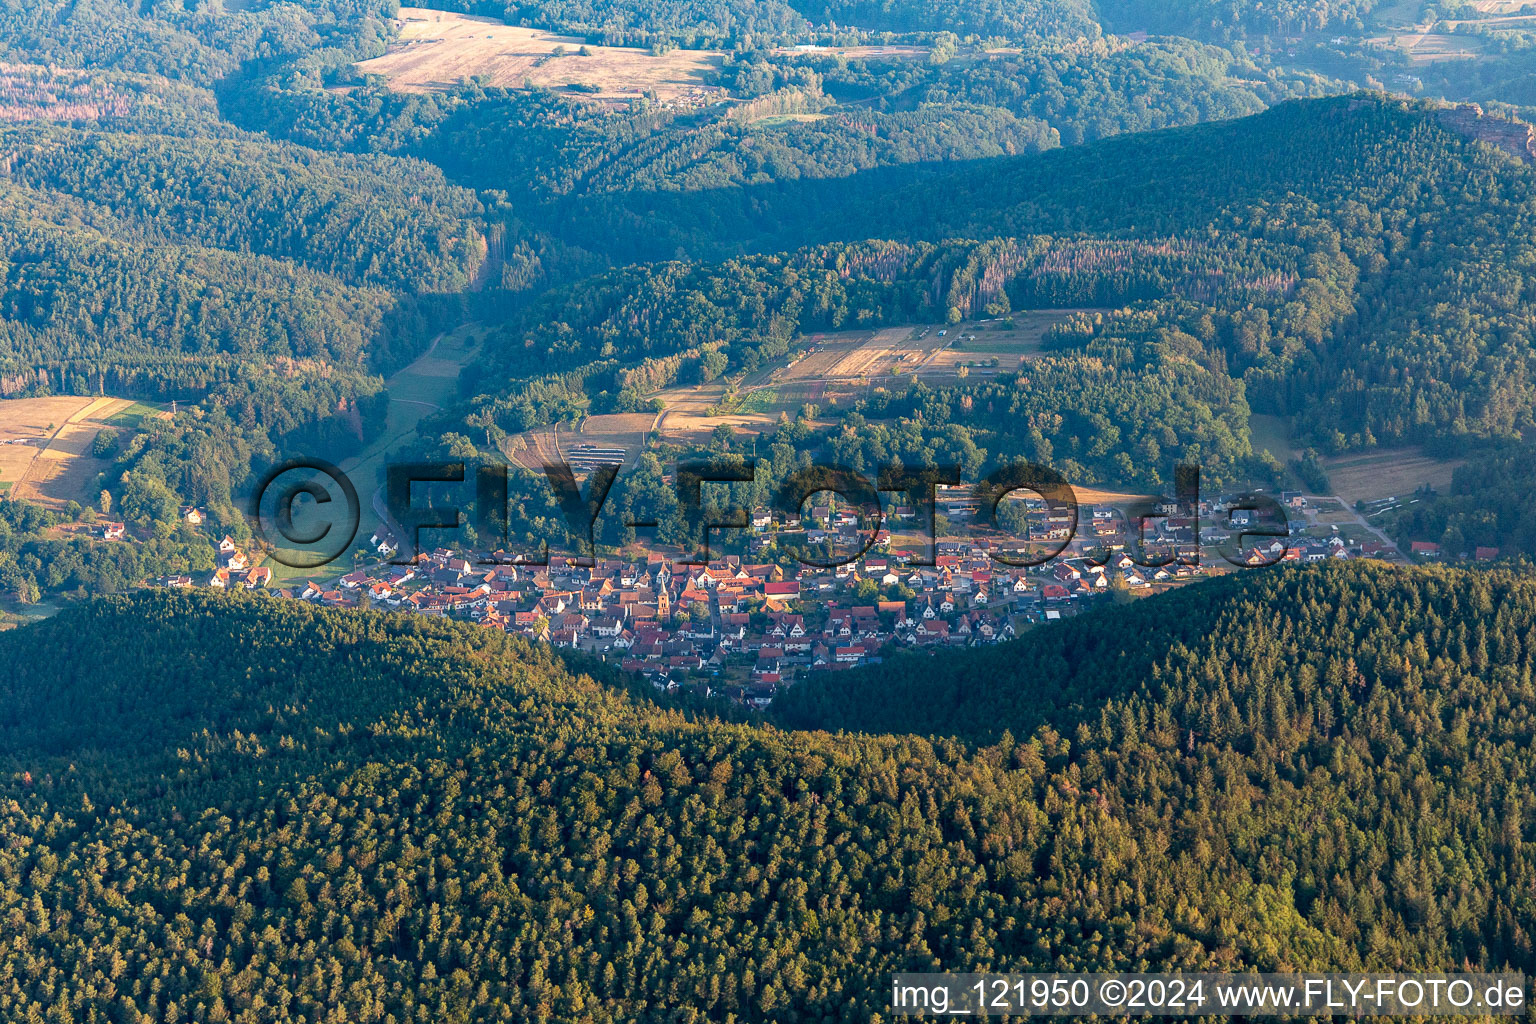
(747, 629)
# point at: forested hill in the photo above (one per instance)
(1390, 307)
(1326, 150)
(229, 807)
(1273, 661)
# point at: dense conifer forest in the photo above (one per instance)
(1349, 262)
(238, 808)
(210, 204)
(1340, 262)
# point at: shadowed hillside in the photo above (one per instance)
(239, 808)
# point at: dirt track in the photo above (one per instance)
(60, 469)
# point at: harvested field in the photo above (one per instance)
(933, 351)
(439, 49)
(53, 464)
(532, 450)
(1428, 47)
(834, 369)
(691, 414)
(31, 422)
(1100, 496)
(1432, 46)
(628, 430)
(535, 449)
(1387, 473)
(885, 353)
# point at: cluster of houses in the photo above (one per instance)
(749, 626)
(234, 569)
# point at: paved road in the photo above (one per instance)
(1359, 519)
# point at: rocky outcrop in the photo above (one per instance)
(1516, 138)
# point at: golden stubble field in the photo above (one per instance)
(54, 463)
(1425, 42)
(831, 370)
(438, 49)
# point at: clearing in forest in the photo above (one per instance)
(829, 370)
(1387, 473)
(439, 49)
(1428, 47)
(935, 352)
